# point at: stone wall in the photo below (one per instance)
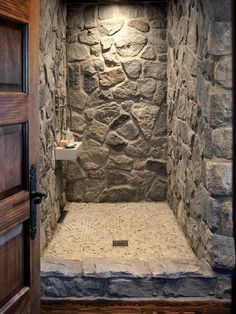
(52, 112)
(200, 128)
(117, 90)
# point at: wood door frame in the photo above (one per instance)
(26, 12)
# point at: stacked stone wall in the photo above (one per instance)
(200, 128)
(52, 111)
(117, 90)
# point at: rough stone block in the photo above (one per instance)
(218, 178)
(147, 87)
(226, 217)
(97, 131)
(223, 72)
(222, 142)
(121, 288)
(219, 39)
(132, 68)
(138, 148)
(123, 193)
(93, 154)
(158, 190)
(129, 131)
(74, 171)
(77, 52)
(111, 78)
(220, 109)
(129, 42)
(145, 115)
(154, 69)
(139, 25)
(221, 251)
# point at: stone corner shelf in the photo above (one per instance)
(62, 153)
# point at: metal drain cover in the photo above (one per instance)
(120, 243)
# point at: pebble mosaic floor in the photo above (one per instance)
(88, 231)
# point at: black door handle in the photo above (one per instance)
(35, 199)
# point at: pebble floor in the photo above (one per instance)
(88, 231)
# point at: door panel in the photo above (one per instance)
(11, 250)
(11, 57)
(19, 136)
(11, 163)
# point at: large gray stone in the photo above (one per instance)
(226, 217)
(90, 82)
(118, 122)
(129, 131)
(107, 112)
(111, 58)
(97, 131)
(111, 27)
(158, 166)
(222, 142)
(114, 141)
(154, 69)
(88, 39)
(139, 25)
(219, 39)
(148, 53)
(141, 178)
(138, 148)
(145, 116)
(119, 162)
(106, 43)
(218, 178)
(78, 122)
(126, 90)
(129, 42)
(220, 109)
(116, 177)
(77, 52)
(75, 191)
(132, 68)
(147, 87)
(123, 193)
(74, 75)
(78, 98)
(223, 72)
(122, 288)
(158, 190)
(74, 171)
(93, 155)
(158, 40)
(111, 77)
(93, 188)
(221, 253)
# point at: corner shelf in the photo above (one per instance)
(62, 153)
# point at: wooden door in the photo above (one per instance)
(19, 136)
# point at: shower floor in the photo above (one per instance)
(88, 231)
(81, 261)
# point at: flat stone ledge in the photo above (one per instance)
(119, 278)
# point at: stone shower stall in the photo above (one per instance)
(147, 88)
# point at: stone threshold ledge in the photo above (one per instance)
(118, 278)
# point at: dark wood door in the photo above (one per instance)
(19, 75)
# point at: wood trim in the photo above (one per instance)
(13, 109)
(173, 306)
(19, 304)
(34, 145)
(15, 9)
(13, 211)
